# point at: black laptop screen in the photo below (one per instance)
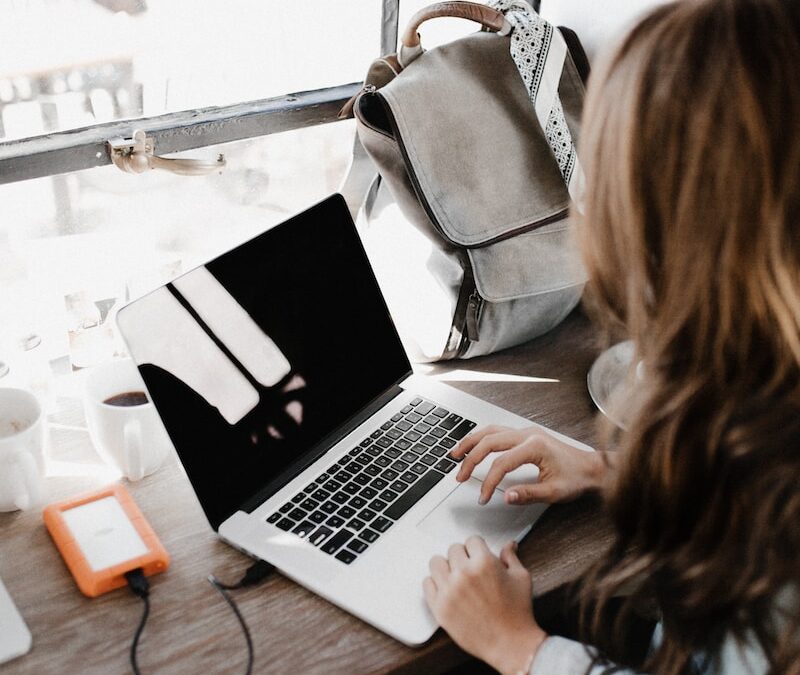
(257, 356)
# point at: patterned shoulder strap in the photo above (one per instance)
(539, 51)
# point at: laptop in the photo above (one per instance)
(282, 382)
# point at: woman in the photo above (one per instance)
(691, 238)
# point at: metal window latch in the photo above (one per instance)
(135, 155)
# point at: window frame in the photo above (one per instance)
(86, 148)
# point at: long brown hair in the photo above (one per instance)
(691, 237)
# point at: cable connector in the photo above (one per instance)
(138, 582)
(256, 573)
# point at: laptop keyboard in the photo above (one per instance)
(348, 507)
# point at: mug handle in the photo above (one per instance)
(133, 450)
(30, 492)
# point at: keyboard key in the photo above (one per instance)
(413, 436)
(379, 483)
(321, 495)
(318, 517)
(320, 534)
(285, 524)
(386, 425)
(450, 421)
(337, 541)
(419, 469)
(375, 434)
(392, 452)
(425, 408)
(346, 556)
(396, 417)
(334, 468)
(429, 440)
(403, 426)
(416, 401)
(367, 514)
(298, 498)
(409, 457)
(345, 460)
(438, 432)
(373, 450)
(389, 474)
(394, 434)
(432, 420)
(462, 430)
(304, 529)
(364, 478)
(309, 504)
(406, 410)
(335, 521)
(419, 448)
(286, 507)
(329, 507)
(383, 461)
(359, 462)
(352, 488)
(331, 485)
(363, 444)
(429, 460)
(438, 450)
(417, 491)
(343, 476)
(274, 518)
(388, 495)
(423, 428)
(368, 493)
(399, 486)
(441, 412)
(384, 442)
(455, 459)
(447, 442)
(369, 535)
(409, 477)
(413, 417)
(382, 524)
(357, 546)
(346, 512)
(357, 502)
(340, 497)
(399, 465)
(323, 477)
(356, 524)
(297, 514)
(402, 444)
(444, 464)
(377, 505)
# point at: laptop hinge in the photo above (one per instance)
(323, 446)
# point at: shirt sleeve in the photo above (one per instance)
(559, 656)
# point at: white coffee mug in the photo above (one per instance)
(128, 437)
(21, 450)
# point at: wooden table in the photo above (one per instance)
(192, 630)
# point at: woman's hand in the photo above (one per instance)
(565, 472)
(485, 604)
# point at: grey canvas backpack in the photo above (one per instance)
(455, 138)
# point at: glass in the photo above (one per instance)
(74, 247)
(67, 64)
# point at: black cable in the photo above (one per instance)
(254, 574)
(139, 586)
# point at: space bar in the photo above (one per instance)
(417, 491)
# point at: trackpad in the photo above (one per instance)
(459, 516)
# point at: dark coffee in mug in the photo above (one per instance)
(127, 399)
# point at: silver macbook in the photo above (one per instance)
(309, 442)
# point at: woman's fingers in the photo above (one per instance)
(457, 556)
(429, 589)
(440, 569)
(530, 494)
(508, 556)
(466, 444)
(476, 548)
(494, 442)
(528, 453)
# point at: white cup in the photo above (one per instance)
(130, 438)
(21, 450)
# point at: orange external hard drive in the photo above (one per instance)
(103, 535)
